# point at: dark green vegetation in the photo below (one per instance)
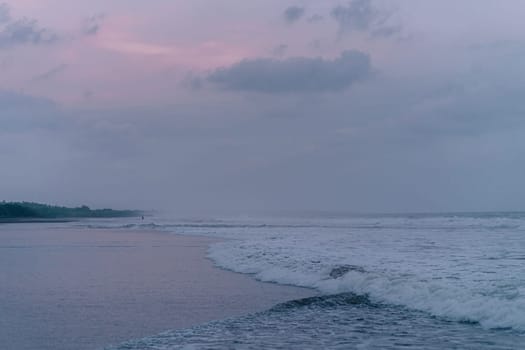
(27, 210)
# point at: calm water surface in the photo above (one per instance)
(79, 288)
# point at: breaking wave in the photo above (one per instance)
(459, 267)
(462, 274)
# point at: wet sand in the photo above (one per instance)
(86, 289)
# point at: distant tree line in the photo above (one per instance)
(15, 210)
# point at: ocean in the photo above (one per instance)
(422, 281)
(66, 286)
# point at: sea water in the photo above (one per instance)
(64, 288)
(384, 281)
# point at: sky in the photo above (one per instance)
(235, 106)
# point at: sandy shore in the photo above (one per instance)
(85, 289)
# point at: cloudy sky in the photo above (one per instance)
(202, 106)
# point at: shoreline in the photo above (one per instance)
(33, 221)
(102, 287)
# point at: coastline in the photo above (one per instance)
(33, 221)
(102, 287)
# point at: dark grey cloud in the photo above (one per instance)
(364, 16)
(293, 13)
(22, 31)
(299, 74)
(53, 72)
(92, 24)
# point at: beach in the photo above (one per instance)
(63, 287)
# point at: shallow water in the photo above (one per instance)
(64, 288)
(343, 321)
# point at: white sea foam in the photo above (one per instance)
(460, 267)
(467, 269)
